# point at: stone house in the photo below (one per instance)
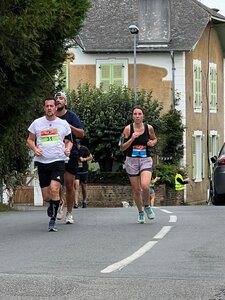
(180, 48)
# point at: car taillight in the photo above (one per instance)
(221, 161)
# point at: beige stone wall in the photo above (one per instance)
(79, 74)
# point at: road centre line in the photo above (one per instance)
(166, 211)
(124, 262)
(162, 232)
(173, 219)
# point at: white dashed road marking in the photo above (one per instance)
(173, 219)
(121, 264)
(141, 251)
(166, 211)
(162, 232)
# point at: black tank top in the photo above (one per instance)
(139, 147)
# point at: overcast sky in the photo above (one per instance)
(220, 4)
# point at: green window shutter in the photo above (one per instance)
(117, 74)
(197, 91)
(111, 74)
(65, 76)
(193, 157)
(213, 87)
(105, 76)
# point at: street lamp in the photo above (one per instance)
(134, 30)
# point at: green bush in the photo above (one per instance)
(5, 207)
(166, 172)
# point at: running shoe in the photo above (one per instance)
(75, 205)
(69, 218)
(51, 226)
(84, 204)
(141, 218)
(60, 213)
(149, 212)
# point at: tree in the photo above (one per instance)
(33, 42)
(104, 115)
(172, 137)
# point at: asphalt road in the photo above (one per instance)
(106, 255)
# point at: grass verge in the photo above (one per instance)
(5, 207)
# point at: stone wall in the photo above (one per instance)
(113, 195)
(105, 195)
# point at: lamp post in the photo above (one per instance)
(134, 30)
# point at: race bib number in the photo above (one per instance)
(49, 137)
(139, 151)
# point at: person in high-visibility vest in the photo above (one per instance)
(179, 186)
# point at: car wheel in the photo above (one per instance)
(218, 199)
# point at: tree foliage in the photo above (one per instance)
(172, 137)
(33, 42)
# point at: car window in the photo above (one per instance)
(222, 151)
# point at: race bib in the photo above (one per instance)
(49, 137)
(139, 151)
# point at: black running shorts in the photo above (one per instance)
(52, 171)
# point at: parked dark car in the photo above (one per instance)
(217, 186)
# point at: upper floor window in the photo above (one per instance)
(111, 71)
(154, 22)
(212, 87)
(197, 85)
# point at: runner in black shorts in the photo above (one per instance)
(50, 140)
(82, 174)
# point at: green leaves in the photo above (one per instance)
(32, 48)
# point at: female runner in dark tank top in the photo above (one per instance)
(136, 140)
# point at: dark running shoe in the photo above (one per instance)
(84, 204)
(51, 226)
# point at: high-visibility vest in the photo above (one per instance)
(178, 186)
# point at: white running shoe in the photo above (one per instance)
(60, 213)
(69, 218)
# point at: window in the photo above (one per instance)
(155, 16)
(197, 86)
(198, 156)
(213, 144)
(212, 87)
(111, 72)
